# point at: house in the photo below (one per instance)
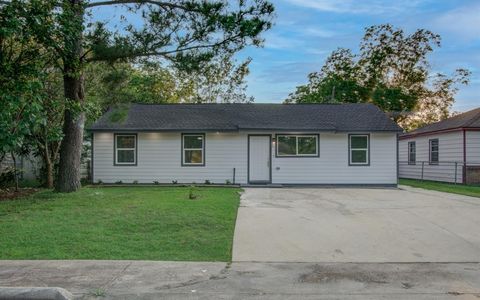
(448, 150)
(247, 144)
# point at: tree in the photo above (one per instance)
(20, 99)
(183, 33)
(219, 81)
(391, 71)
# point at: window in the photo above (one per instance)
(412, 153)
(433, 151)
(359, 149)
(297, 145)
(193, 150)
(126, 149)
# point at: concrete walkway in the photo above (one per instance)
(191, 280)
(356, 225)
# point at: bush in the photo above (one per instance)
(118, 182)
(227, 182)
(7, 177)
(156, 182)
(99, 182)
(207, 182)
(174, 181)
(135, 182)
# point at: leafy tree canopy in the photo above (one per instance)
(392, 71)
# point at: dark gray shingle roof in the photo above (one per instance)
(234, 117)
(469, 119)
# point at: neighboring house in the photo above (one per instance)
(247, 144)
(448, 150)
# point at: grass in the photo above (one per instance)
(461, 189)
(147, 223)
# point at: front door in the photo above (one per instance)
(259, 153)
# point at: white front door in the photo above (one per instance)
(259, 159)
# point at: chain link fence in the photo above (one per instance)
(446, 171)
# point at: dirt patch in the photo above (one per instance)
(324, 274)
(11, 194)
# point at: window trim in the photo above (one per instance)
(317, 137)
(414, 161)
(182, 155)
(115, 150)
(350, 163)
(430, 162)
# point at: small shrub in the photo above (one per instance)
(207, 182)
(135, 182)
(99, 182)
(98, 292)
(118, 182)
(174, 181)
(7, 177)
(191, 193)
(156, 182)
(228, 182)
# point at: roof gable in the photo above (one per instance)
(234, 117)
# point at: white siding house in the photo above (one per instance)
(446, 151)
(226, 158)
(199, 154)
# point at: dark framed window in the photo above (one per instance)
(412, 153)
(292, 145)
(193, 149)
(125, 150)
(359, 149)
(433, 151)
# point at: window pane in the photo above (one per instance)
(357, 142)
(287, 145)
(434, 145)
(193, 156)
(126, 156)
(125, 141)
(359, 156)
(307, 145)
(193, 141)
(434, 157)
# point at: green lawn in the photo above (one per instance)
(151, 223)
(461, 189)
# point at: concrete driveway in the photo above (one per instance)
(356, 225)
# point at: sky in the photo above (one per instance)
(307, 31)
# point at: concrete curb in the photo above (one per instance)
(35, 293)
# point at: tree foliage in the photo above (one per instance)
(392, 71)
(183, 34)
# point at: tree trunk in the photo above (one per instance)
(15, 171)
(49, 176)
(68, 177)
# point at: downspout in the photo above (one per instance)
(464, 169)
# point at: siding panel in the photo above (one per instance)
(159, 159)
(450, 151)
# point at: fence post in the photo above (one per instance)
(456, 172)
(423, 165)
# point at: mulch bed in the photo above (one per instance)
(11, 194)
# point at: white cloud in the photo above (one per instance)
(463, 21)
(358, 6)
(318, 32)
